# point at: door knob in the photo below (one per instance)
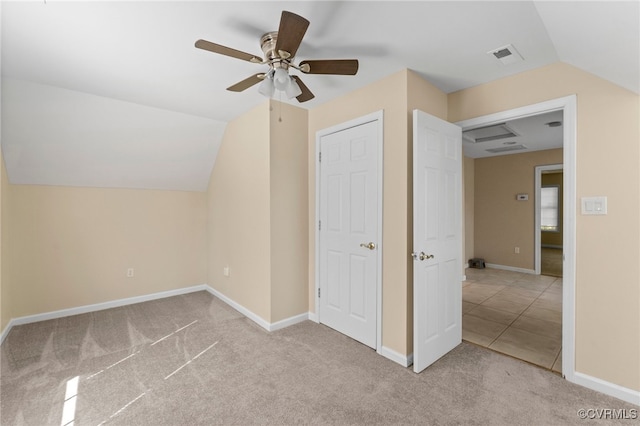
(421, 256)
(370, 246)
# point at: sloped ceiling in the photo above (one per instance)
(114, 94)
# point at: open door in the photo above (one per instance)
(437, 238)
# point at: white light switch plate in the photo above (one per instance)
(594, 205)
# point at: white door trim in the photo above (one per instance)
(378, 117)
(568, 105)
(538, 232)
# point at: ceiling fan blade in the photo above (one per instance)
(290, 33)
(247, 82)
(330, 66)
(223, 50)
(306, 94)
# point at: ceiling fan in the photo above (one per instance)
(279, 48)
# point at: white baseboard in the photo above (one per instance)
(238, 307)
(611, 389)
(599, 385)
(138, 299)
(288, 321)
(403, 360)
(97, 307)
(6, 330)
(510, 268)
(256, 318)
(314, 317)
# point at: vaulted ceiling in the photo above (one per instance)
(115, 94)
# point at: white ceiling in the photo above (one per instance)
(133, 58)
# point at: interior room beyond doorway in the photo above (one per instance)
(514, 313)
(506, 306)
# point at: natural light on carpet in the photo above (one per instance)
(189, 362)
(71, 395)
(70, 398)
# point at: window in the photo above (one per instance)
(549, 201)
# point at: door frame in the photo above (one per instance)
(377, 117)
(568, 105)
(538, 218)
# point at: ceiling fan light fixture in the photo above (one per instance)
(281, 79)
(293, 90)
(267, 87)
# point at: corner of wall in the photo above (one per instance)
(239, 215)
(5, 279)
(289, 210)
(469, 209)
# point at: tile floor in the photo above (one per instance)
(514, 313)
(551, 261)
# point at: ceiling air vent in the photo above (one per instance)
(506, 148)
(489, 133)
(506, 54)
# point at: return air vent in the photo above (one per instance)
(506, 54)
(489, 133)
(506, 148)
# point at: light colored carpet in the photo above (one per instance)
(192, 360)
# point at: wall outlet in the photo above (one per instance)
(225, 271)
(516, 250)
(129, 272)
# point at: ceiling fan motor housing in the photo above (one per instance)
(272, 57)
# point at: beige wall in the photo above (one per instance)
(239, 213)
(397, 95)
(5, 297)
(469, 208)
(72, 246)
(257, 210)
(501, 222)
(289, 211)
(608, 247)
(554, 238)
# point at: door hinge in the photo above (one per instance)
(319, 157)
(319, 225)
(318, 293)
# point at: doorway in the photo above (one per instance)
(549, 196)
(567, 290)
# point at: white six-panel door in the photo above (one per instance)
(348, 234)
(437, 238)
